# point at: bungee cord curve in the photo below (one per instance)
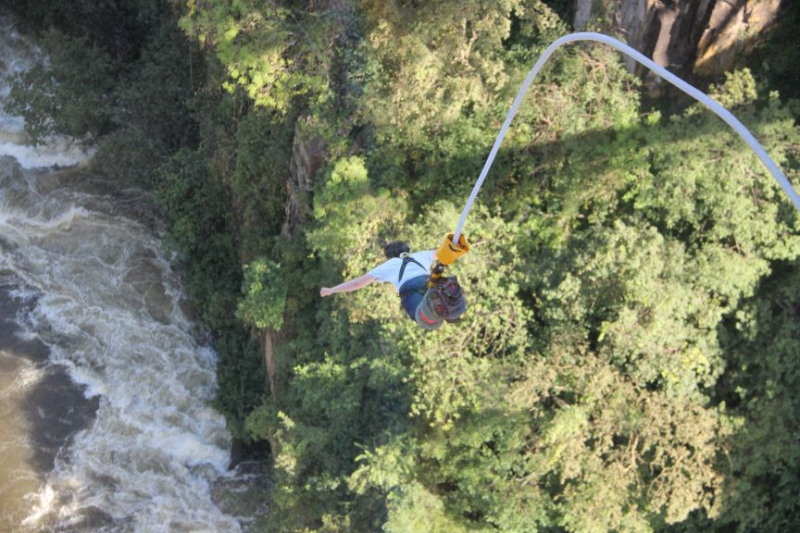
(703, 98)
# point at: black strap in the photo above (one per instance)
(406, 260)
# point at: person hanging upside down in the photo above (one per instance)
(408, 272)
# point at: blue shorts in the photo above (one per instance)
(411, 294)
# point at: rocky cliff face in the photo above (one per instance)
(734, 28)
(307, 158)
(701, 37)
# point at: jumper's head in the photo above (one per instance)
(395, 248)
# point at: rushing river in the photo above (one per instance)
(104, 390)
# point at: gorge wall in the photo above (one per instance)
(692, 37)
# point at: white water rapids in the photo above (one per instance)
(89, 285)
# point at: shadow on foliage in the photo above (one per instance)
(761, 457)
(554, 173)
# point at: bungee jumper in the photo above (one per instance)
(426, 296)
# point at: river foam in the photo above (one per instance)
(107, 305)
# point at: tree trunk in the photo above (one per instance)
(269, 358)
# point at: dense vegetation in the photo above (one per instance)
(629, 361)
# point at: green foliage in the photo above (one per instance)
(132, 103)
(274, 52)
(578, 92)
(60, 98)
(630, 294)
(595, 444)
(761, 388)
(264, 295)
(263, 152)
(413, 508)
(739, 89)
(152, 118)
(197, 210)
(241, 380)
(200, 234)
(432, 63)
(116, 26)
(351, 217)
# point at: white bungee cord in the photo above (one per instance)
(703, 98)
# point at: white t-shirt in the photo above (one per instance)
(390, 270)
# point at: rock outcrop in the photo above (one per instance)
(733, 29)
(700, 37)
(307, 158)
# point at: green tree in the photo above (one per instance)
(760, 388)
(274, 51)
(264, 296)
(262, 168)
(60, 98)
(431, 63)
(197, 208)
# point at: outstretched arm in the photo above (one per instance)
(348, 286)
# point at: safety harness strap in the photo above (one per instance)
(406, 260)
